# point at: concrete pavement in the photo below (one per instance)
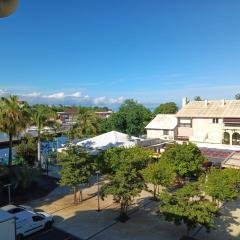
(83, 221)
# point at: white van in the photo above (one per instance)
(7, 226)
(27, 221)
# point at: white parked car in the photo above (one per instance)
(28, 221)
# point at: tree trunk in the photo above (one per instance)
(10, 150)
(80, 197)
(75, 194)
(154, 191)
(124, 211)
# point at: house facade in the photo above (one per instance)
(67, 118)
(103, 114)
(163, 126)
(213, 122)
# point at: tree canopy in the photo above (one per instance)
(125, 180)
(159, 173)
(14, 118)
(166, 108)
(86, 124)
(77, 166)
(131, 118)
(188, 206)
(27, 149)
(222, 184)
(198, 98)
(237, 96)
(187, 159)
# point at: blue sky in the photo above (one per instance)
(101, 52)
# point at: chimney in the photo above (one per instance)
(206, 102)
(223, 102)
(184, 102)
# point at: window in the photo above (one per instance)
(165, 132)
(215, 120)
(236, 138)
(184, 122)
(37, 218)
(15, 210)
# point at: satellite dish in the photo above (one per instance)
(7, 7)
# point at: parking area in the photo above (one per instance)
(53, 233)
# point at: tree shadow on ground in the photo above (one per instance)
(40, 188)
(227, 224)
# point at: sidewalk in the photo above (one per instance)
(83, 221)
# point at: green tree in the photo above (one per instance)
(126, 180)
(237, 96)
(198, 98)
(22, 176)
(76, 168)
(42, 116)
(222, 184)
(186, 158)
(104, 125)
(159, 173)
(131, 118)
(166, 108)
(27, 149)
(188, 206)
(86, 124)
(14, 118)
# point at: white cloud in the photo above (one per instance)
(33, 94)
(75, 98)
(76, 94)
(59, 95)
(4, 92)
(109, 101)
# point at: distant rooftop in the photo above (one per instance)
(212, 109)
(233, 161)
(163, 121)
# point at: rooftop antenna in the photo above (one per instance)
(7, 7)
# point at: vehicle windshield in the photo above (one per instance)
(41, 215)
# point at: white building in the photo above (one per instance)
(215, 122)
(163, 126)
(107, 140)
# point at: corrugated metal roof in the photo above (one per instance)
(163, 121)
(211, 109)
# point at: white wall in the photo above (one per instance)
(206, 131)
(156, 133)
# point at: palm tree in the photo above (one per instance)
(86, 124)
(42, 116)
(14, 118)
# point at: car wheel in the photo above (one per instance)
(19, 237)
(48, 225)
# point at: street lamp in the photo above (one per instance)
(98, 209)
(7, 7)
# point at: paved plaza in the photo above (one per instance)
(84, 222)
